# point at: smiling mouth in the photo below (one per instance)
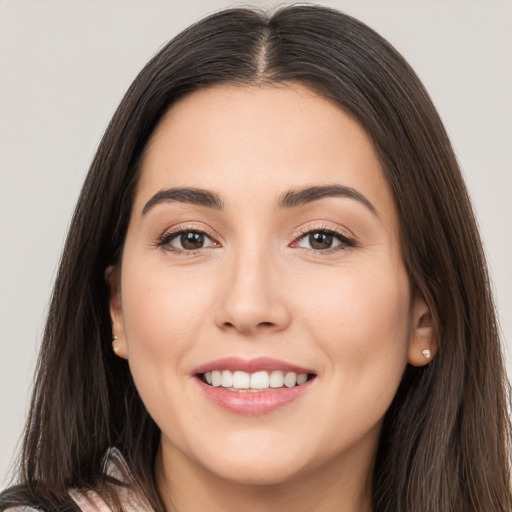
(240, 381)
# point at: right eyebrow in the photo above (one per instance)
(196, 196)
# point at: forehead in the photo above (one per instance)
(242, 141)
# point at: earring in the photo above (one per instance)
(426, 353)
(115, 348)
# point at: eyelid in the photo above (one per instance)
(313, 227)
(171, 233)
(346, 239)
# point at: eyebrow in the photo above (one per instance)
(196, 196)
(299, 197)
(290, 199)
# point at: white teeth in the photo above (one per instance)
(290, 379)
(260, 380)
(216, 378)
(301, 378)
(277, 379)
(239, 380)
(227, 379)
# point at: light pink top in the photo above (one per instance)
(88, 501)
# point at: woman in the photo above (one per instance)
(273, 294)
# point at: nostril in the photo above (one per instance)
(261, 324)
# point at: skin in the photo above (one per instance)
(258, 288)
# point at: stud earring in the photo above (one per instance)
(426, 353)
(115, 348)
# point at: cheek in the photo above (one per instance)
(360, 323)
(164, 314)
(162, 310)
(360, 318)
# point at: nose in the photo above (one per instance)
(252, 300)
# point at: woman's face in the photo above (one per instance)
(264, 242)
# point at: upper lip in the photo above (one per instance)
(250, 365)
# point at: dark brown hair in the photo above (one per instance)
(445, 441)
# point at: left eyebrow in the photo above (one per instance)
(299, 197)
(197, 196)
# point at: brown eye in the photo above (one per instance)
(186, 241)
(320, 240)
(324, 240)
(192, 240)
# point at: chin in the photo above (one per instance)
(247, 472)
(260, 464)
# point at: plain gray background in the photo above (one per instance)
(65, 64)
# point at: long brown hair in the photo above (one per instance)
(445, 441)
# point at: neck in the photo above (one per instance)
(185, 486)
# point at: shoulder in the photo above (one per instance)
(26, 508)
(86, 502)
(89, 501)
(122, 487)
(22, 509)
(126, 491)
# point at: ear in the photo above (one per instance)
(112, 278)
(423, 344)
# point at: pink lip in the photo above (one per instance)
(247, 403)
(250, 365)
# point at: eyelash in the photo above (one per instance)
(168, 236)
(346, 241)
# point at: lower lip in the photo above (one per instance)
(249, 403)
